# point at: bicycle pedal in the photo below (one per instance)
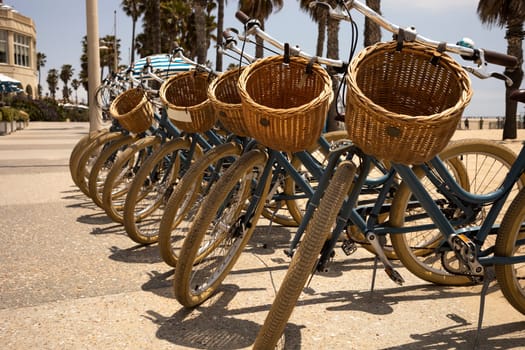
(349, 247)
(394, 276)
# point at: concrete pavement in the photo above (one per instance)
(72, 279)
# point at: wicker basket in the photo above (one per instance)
(132, 110)
(285, 107)
(401, 106)
(226, 101)
(186, 99)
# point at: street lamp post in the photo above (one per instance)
(95, 121)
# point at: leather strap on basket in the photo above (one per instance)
(437, 55)
(286, 57)
(400, 37)
(310, 66)
(309, 70)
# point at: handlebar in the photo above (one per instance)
(500, 59)
(178, 52)
(467, 52)
(231, 44)
(253, 27)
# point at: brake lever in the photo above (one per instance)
(482, 73)
(508, 81)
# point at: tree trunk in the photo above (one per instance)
(220, 29)
(372, 30)
(332, 51)
(132, 58)
(514, 38)
(200, 31)
(259, 42)
(157, 44)
(321, 34)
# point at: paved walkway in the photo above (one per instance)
(71, 279)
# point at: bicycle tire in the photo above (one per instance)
(102, 167)
(428, 266)
(511, 277)
(121, 175)
(90, 156)
(202, 267)
(297, 207)
(142, 211)
(187, 197)
(79, 149)
(305, 257)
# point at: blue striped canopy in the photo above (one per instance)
(162, 65)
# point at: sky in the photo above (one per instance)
(61, 24)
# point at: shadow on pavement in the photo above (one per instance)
(211, 326)
(148, 254)
(455, 337)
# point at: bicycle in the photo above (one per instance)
(153, 185)
(203, 241)
(119, 180)
(206, 243)
(461, 245)
(194, 186)
(86, 154)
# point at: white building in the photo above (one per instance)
(18, 48)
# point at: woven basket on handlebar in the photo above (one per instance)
(226, 101)
(285, 104)
(186, 100)
(404, 106)
(132, 110)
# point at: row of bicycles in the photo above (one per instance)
(193, 161)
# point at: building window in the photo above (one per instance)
(3, 46)
(22, 49)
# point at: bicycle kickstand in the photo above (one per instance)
(490, 275)
(380, 254)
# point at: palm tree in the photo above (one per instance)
(318, 15)
(109, 54)
(372, 30)
(220, 29)
(200, 30)
(509, 13)
(156, 26)
(66, 72)
(261, 10)
(134, 9)
(75, 84)
(40, 63)
(52, 81)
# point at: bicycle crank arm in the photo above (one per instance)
(389, 268)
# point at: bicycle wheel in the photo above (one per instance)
(297, 206)
(219, 233)
(151, 186)
(475, 164)
(510, 241)
(188, 195)
(305, 257)
(122, 173)
(79, 148)
(90, 156)
(103, 165)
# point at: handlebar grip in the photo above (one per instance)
(500, 59)
(241, 16)
(227, 34)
